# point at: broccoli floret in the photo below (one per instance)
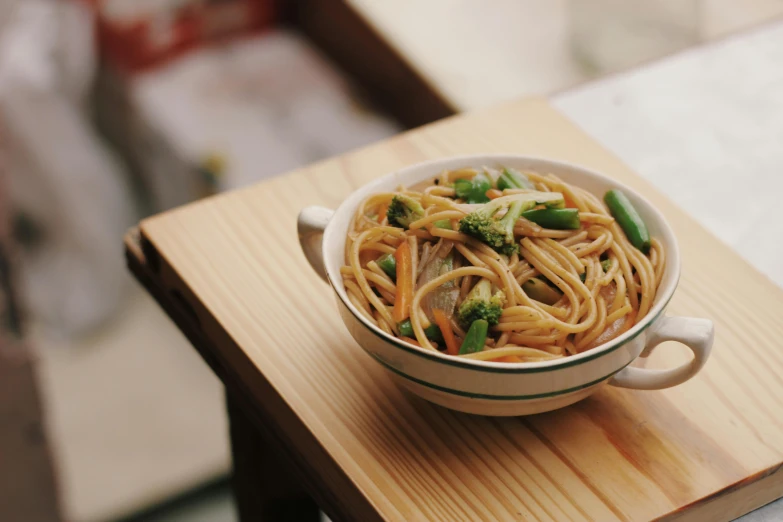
(499, 233)
(403, 211)
(480, 303)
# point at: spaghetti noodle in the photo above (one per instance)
(499, 265)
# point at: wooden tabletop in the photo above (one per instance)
(710, 449)
(658, 120)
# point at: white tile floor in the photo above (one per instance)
(134, 415)
(213, 505)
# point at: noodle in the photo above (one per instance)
(556, 291)
(532, 353)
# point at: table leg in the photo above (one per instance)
(28, 486)
(263, 488)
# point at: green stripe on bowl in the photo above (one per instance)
(493, 397)
(566, 362)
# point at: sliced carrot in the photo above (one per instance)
(493, 193)
(402, 301)
(408, 340)
(452, 348)
(382, 212)
(509, 359)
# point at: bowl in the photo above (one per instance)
(504, 389)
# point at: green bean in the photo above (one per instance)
(432, 332)
(554, 218)
(473, 190)
(389, 265)
(475, 337)
(629, 219)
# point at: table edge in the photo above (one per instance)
(138, 251)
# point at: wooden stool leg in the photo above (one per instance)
(263, 488)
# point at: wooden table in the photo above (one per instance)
(313, 417)
(694, 123)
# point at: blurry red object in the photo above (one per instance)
(134, 36)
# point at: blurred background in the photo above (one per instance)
(112, 110)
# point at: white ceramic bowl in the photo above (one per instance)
(490, 388)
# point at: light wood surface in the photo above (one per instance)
(665, 104)
(710, 446)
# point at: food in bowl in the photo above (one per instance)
(503, 265)
(488, 387)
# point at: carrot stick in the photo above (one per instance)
(404, 297)
(494, 193)
(509, 359)
(382, 212)
(452, 348)
(408, 340)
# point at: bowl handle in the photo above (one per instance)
(696, 334)
(311, 224)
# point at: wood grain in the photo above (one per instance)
(619, 455)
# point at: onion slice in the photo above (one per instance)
(445, 296)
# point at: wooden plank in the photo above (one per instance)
(734, 500)
(620, 455)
